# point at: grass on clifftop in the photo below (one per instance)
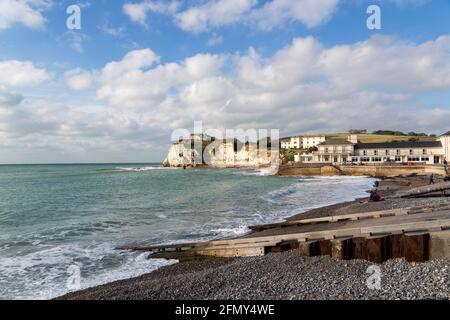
(374, 138)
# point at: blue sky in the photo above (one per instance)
(51, 45)
(287, 64)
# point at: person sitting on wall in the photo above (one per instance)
(375, 196)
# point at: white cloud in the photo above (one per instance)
(111, 30)
(25, 12)
(305, 86)
(304, 80)
(130, 82)
(404, 3)
(215, 40)
(204, 15)
(133, 60)
(383, 61)
(77, 40)
(15, 73)
(213, 14)
(380, 63)
(138, 12)
(309, 12)
(79, 79)
(8, 98)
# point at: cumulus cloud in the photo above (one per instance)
(304, 81)
(309, 12)
(204, 15)
(131, 83)
(383, 61)
(138, 12)
(9, 99)
(25, 12)
(32, 130)
(79, 79)
(212, 14)
(15, 73)
(303, 87)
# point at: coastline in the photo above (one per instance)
(289, 275)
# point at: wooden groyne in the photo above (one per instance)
(417, 234)
(439, 189)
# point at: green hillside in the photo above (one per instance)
(373, 138)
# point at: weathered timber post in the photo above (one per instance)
(341, 248)
(395, 246)
(439, 245)
(305, 248)
(416, 247)
(358, 249)
(376, 249)
(321, 248)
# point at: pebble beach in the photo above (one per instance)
(289, 275)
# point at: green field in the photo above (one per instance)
(373, 138)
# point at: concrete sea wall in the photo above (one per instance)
(366, 170)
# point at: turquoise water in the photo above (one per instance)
(57, 217)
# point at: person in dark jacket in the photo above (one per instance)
(432, 179)
(375, 196)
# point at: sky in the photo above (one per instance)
(116, 89)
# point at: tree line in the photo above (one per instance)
(393, 133)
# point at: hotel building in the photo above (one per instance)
(340, 151)
(302, 142)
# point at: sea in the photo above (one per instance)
(61, 225)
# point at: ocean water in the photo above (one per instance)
(60, 224)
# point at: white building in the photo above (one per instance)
(285, 143)
(350, 150)
(429, 152)
(291, 143)
(335, 151)
(445, 140)
(301, 142)
(312, 141)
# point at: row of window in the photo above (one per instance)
(397, 159)
(423, 159)
(335, 150)
(397, 152)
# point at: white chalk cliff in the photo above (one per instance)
(197, 152)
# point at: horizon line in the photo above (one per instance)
(74, 163)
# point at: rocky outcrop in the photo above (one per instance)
(220, 154)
